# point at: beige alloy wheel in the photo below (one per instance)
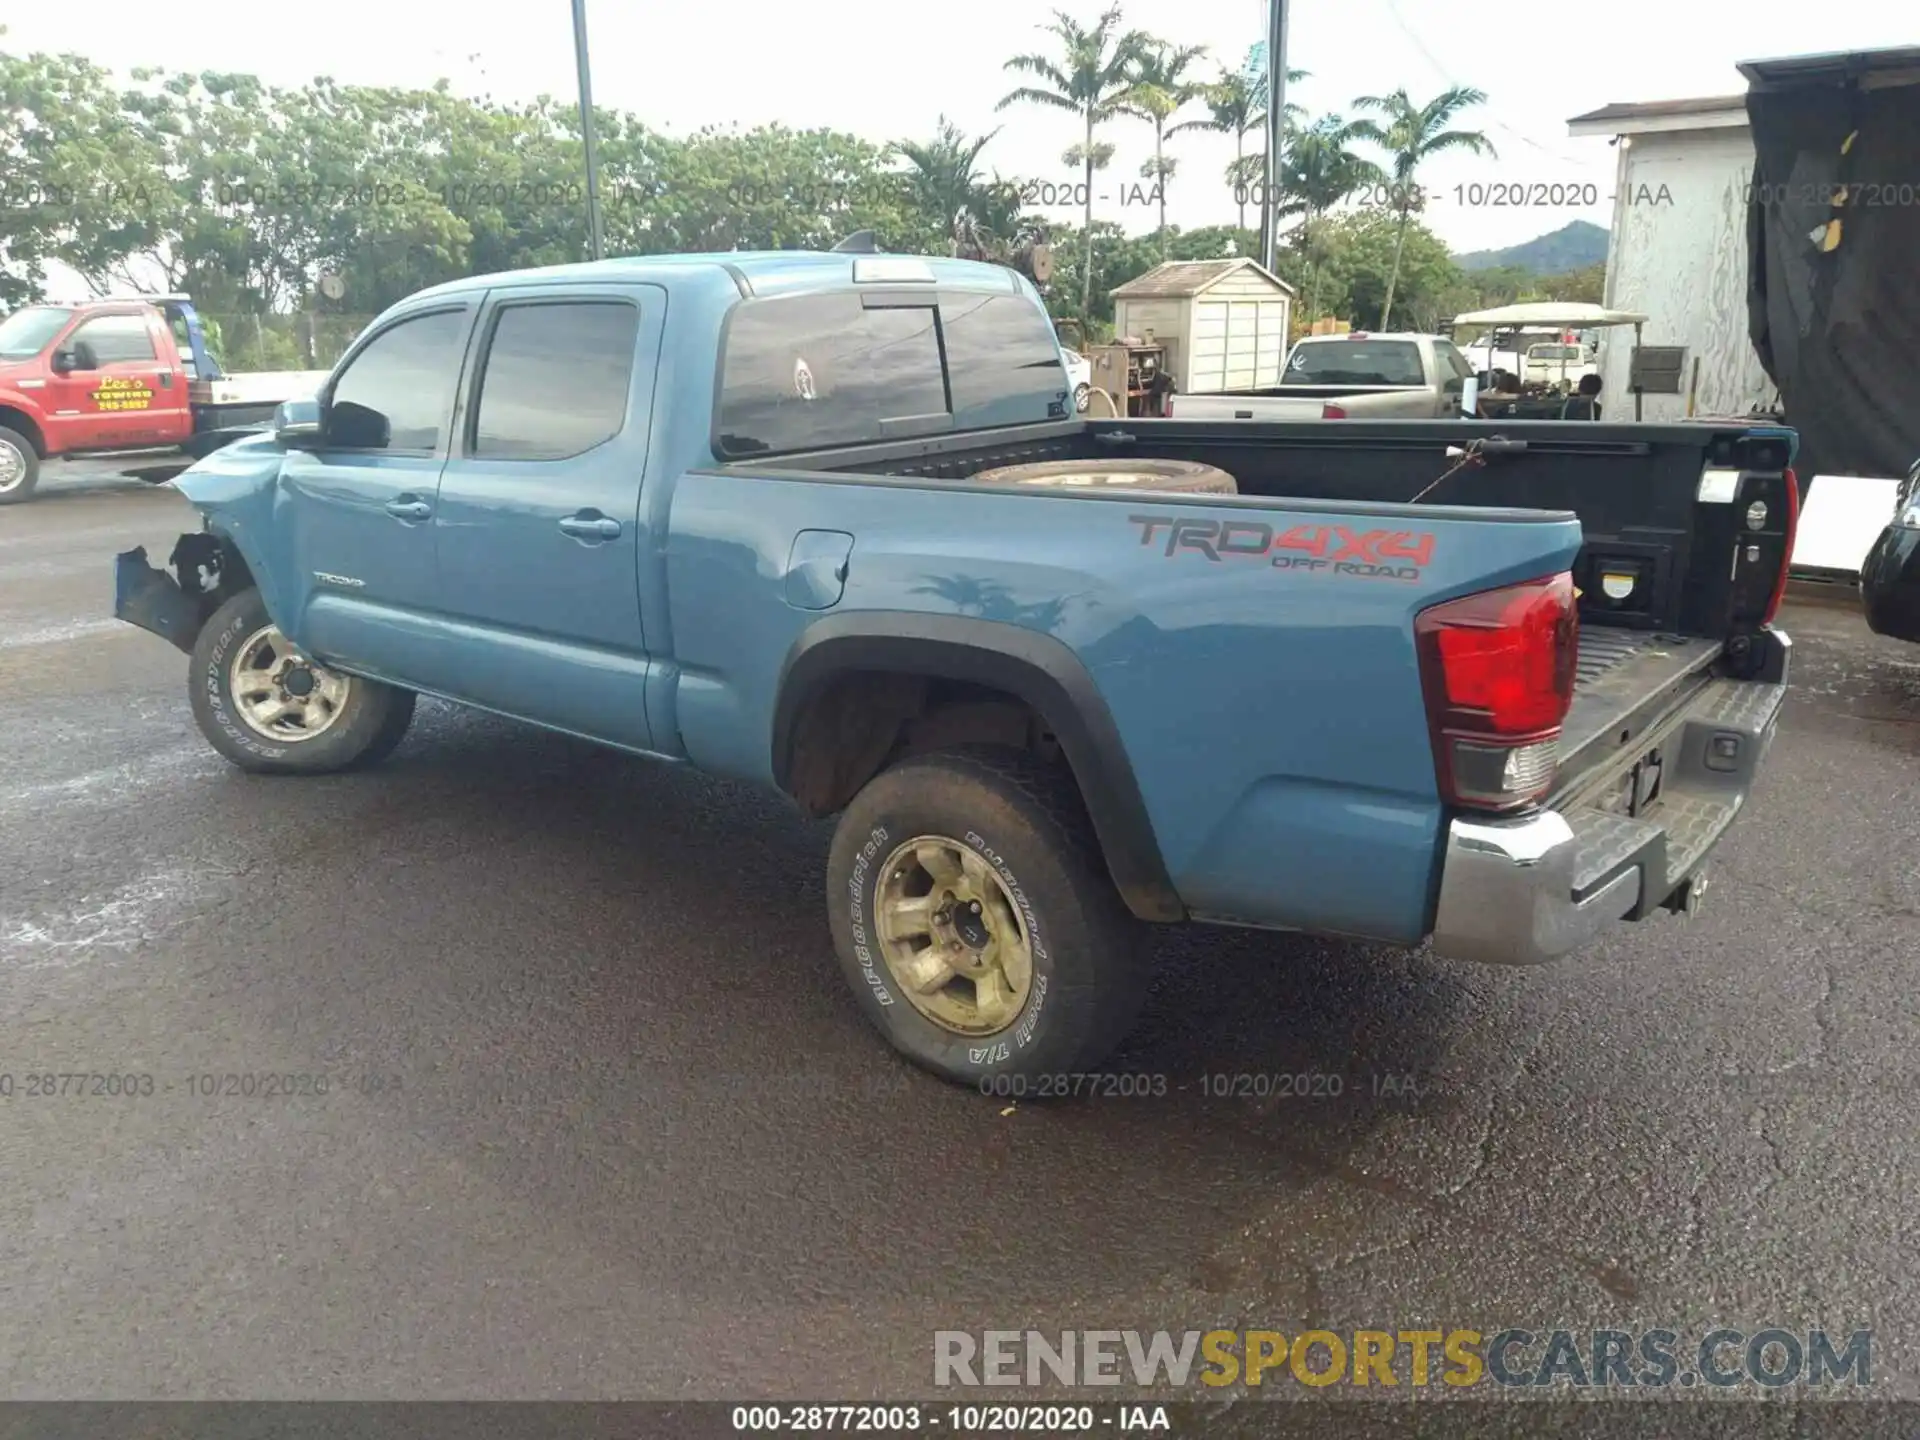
(952, 936)
(280, 694)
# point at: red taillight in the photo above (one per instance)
(1786, 560)
(1333, 412)
(1498, 669)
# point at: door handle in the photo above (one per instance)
(591, 527)
(409, 509)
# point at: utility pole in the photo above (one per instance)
(586, 128)
(1276, 130)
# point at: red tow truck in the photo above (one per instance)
(121, 375)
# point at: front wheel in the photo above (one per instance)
(272, 710)
(19, 467)
(976, 922)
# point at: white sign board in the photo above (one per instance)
(1842, 517)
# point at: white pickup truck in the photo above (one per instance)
(1354, 376)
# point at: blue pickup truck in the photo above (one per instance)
(830, 524)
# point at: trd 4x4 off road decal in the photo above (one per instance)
(1333, 549)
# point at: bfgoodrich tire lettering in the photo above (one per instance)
(1089, 972)
(366, 722)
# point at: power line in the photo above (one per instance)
(1393, 9)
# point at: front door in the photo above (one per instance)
(539, 524)
(124, 391)
(359, 509)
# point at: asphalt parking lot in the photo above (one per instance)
(602, 1120)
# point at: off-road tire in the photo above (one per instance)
(1179, 477)
(22, 488)
(366, 720)
(1090, 957)
(392, 731)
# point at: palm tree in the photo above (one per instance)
(1412, 134)
(1158, 90)
(942, 181)
(1091, 79)
(996, 229)
(1321, 171)
(1238, 102)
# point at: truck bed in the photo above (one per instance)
(1634, 488)
(1625, 683)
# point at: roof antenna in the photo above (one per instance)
(861, 242)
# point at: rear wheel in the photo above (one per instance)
(272, 710)
(975, 920)
(19, 467)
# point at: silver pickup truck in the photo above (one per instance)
(1355, 376)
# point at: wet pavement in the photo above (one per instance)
(602, 1120)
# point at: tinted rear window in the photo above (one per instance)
(1355, 362)
(1000, 348)
(806, 371)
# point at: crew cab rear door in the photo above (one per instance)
(538, 530)
(357, 510)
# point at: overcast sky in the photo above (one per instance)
(889, 70)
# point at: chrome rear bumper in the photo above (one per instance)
(1506, 896)
(1531, 889)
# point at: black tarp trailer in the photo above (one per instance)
(1833, 287)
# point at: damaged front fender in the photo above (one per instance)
(175, 606)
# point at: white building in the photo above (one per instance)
(1678, 253)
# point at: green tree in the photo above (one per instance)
(80, 176)
(1368, 251)
(1582, 287)
(944, 185)
(1411, 135)
(1320, 171)
(1158, 89)
(1090, 77)
(769, 188)
(1237, 106)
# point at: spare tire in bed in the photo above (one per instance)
(1186, 477)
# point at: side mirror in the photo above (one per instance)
(296, 424)
(357, 427)
(64, 361)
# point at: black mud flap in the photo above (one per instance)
(153, 600)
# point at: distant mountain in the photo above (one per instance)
(1573, 247)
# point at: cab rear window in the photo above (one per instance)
(1355, 362)
(802, 372)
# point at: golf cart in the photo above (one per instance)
(1540, 400)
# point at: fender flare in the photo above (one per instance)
(36, 431)
(1035, 668)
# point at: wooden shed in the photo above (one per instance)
(1224, 322)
